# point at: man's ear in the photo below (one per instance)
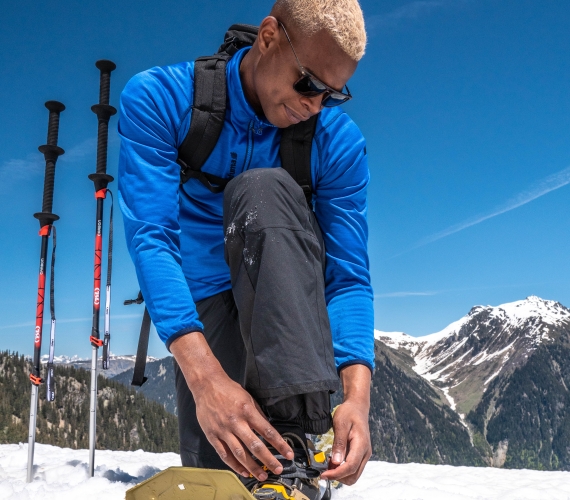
(268, 34)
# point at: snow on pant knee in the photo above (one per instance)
(275, 252)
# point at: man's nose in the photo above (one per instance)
(312, 104)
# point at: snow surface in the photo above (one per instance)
(61, 474)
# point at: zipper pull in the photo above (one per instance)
(258, 130)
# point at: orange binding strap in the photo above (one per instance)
(95, 341)
(101, 193)
(35, 380)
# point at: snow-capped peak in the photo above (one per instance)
(548, 311)
(514, 313)
(398, 340)
(464, 357)
(63, 359)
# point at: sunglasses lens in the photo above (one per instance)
(308, 87)
(333, 100)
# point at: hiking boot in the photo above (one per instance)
(300, 477)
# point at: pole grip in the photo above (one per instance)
(51, 152)
(103, 111)
(55, 108)
(105, 67)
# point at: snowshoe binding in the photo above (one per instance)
(300, 477)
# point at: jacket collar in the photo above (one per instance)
(241, 112)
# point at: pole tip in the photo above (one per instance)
(55, 106)
(105, 65)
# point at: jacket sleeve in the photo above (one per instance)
(154, 112)
(340, 207)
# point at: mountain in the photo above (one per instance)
(159, 387)
(490, 389)
(117, 364)
(125, 420)
(504, 370)
(410, 420)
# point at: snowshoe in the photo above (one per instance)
(300, 477)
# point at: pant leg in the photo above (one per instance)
(221, 329)
(276, 257)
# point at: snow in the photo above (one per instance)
(68, 360)
(549, 311)
(385, 481)
(449, 330)
(398, 340)
(394, 338)
(61, 474)
(533, 312)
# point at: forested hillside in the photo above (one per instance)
(125, 420)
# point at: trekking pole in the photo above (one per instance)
(100, 179)
(51, 152)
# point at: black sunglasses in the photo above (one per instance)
(310, 86)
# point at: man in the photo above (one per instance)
(238, 284)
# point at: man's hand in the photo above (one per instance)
(351, 448)
(227, 413)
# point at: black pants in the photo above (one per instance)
(271, 332)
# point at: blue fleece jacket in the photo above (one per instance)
(174, 233)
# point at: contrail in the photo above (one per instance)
(69, 320)
(545, 186)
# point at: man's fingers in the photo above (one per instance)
(343, 470)
(268, 432)
(341, 431)
(223, 451)
(242, 455)
(349, 471)
(350, 480)
(260, 451)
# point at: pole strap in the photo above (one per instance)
(50, 380)
(107, 336)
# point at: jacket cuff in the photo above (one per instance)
(181, 333)
(356, 362)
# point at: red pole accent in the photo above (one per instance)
(102, 193)
(35, 380)
(45, 230)
(40, 309)
(97, 271)
(97, 342)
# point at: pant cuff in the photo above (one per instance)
(310, 426)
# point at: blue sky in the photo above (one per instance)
(466, 111)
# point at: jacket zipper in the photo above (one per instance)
(249, 149)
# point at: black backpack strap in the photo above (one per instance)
(295, 151)
(237, 37)
(208, 113)
(209, 108)
(140, 363)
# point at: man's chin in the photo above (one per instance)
(277, 120)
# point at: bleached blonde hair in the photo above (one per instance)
(343, 19)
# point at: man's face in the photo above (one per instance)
(278, 70)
